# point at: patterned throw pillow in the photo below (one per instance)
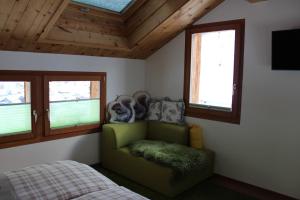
(154, 110)
(121, 110)
(172, 112)
(142, 99)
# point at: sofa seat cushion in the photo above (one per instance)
(155, 176)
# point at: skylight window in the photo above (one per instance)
(112, 5)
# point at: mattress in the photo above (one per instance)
(62, 180)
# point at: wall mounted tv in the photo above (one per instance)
(286, 50)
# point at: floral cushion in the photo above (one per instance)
(172, 112)
(154, 110)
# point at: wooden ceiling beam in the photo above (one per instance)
(53, 20)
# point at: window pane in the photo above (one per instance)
(74, 103)
(15, 108)
(116, 5)
(212, 68)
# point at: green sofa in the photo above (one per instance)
(115, 156)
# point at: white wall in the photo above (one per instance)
(124, 76)
(264, 149)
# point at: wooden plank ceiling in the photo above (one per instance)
(61, 26)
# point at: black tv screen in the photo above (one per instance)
(286, 50)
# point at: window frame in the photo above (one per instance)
(211, 113)
(39, 95)
(36, 127)
(72, 77)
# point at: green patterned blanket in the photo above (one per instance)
(181, 158)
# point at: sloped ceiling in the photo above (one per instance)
(60, 26)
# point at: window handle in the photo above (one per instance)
(35, 116)
(233, 89)
(48, 114)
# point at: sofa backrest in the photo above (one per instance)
(126, 133)
(172, 133)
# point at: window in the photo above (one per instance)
(115, 6)
(49, 105)
(213, 70)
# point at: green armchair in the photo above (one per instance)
(115, 156)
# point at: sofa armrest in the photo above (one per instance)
(115, 136)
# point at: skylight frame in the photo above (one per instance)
(130, 3)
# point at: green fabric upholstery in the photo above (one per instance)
(115, 156)
(167, 132)
(126, 133)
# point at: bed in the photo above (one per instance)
(61, 180)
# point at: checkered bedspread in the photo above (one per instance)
(64, 180)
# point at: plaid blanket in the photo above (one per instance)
(64, 180)
(112, 193)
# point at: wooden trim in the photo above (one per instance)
(36, 128)
(248, 189)
(48, 138)
(27, 92)
(53, 20)
(234, 115)
(72, 77)
(195, 75)
(95, 89)
(255, 1)
(38, 103)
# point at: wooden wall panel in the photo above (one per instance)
(5, 10)
(69, 23)
(165, 11)
(141, 15)
(132, 9)
(171, 27)
(15, 15)
(54, 18)
(27, 20)
(89, 39)
(40, 22)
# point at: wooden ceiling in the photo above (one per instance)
(60, 26)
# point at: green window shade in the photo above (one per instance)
(74, 103)
(74, 113)
(15, 119)
(15, 108)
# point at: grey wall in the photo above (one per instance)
(124, 76)
(264, 149)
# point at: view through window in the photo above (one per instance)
(213, 81)
(74, 103)
(15, 108)
(38, 106)
(214, 70)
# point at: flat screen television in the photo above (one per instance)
(286, 50)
